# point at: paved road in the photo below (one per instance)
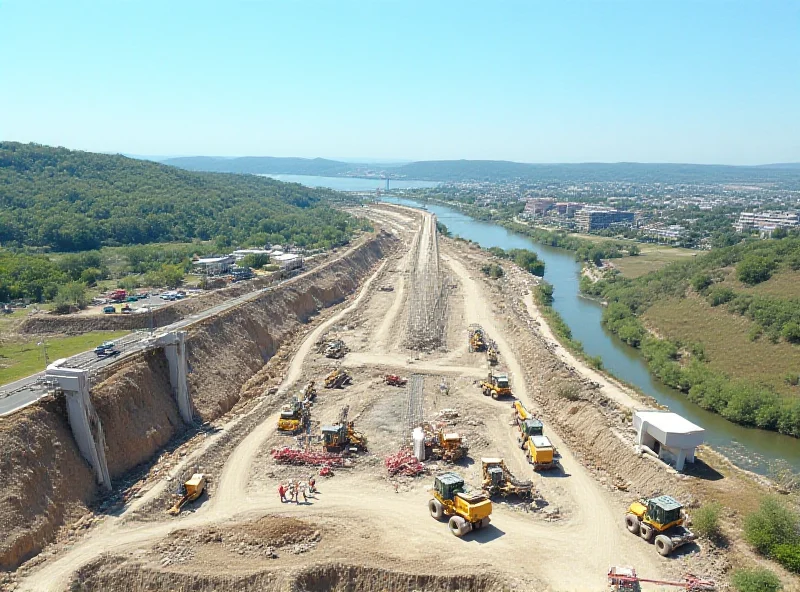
(23, 392)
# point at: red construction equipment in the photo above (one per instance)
(293, 456)
(404, 463)
(394, 380)
(625, 579)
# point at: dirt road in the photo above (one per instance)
(572, 553)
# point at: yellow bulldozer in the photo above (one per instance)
(449, 447)
(294, 417)
(659, 520)
(338, 379)
(467, 510)
(193, 488)
(496, 385)
(498, 480)
(477, 338)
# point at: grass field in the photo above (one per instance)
(22, 358)
(784, 284)
(724, 337)
(651, 258)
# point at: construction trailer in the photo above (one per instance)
(668, 436)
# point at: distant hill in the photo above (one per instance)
(263, 165)
(66, 200)
(499, 170)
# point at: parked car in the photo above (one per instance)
(109, 310)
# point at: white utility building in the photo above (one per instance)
(668, 435)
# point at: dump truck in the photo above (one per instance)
(193, 488)
(335, 349)
(659, 520)
(294, 417)
(467, 510)
(477, 339)
(342, 435)
(496, 385)
(449, 447)
(541, 453)
(498, 480)
(337, 379)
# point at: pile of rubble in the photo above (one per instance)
(293, 456)
(404, 463)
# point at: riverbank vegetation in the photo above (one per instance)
(58, 200)
(705, 329)
(543, 296)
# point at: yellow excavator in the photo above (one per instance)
(659, 520)
(496, 385)
(467, 510)
(194, 488)
(477, 338)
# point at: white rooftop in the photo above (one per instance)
(286, 257)
(210, 260)
(666, 421)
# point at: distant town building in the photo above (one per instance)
(537, 207)
(672, 233)
(242, 253)
(214, 265)
(289, 261)
(568, 208)
(766, 222)
(596, 218)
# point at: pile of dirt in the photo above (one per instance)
(117, 574)
(138, 411)
(44, 480)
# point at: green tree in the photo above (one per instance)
(754, 269)
(254, 260)
(772, 524)
(791, 332)
(755, 580)
(72, 294)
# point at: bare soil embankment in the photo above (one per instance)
(44, 481)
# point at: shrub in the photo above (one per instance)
(595, 362)
(754, 269)
(493, 270)
(570, 393)
(788, 555)
(701, 281)
(791, 332)
(706, 521)
(755, 580)
(720, 295)
(771, 525)
(545, 294)
(792, 378)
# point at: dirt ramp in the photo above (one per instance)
(138, 411)
(44, 481)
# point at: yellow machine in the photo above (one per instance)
(477, 338)
(467, 510)
(496, 385)
(194, 489)
(491, 355)
(660, 520)
(343, 435)
(294, 417)
(541, 453)
(337, 379)
(449, 447)
(497, 479)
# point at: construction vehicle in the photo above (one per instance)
(491, 354)
(337, 379)
(467, 510)
(309, 392)
(497, 479)
(335, 349)
(541, 453)
(477, 338)
(394, 380)
(342, 435)
(449, 447)
(624, 579)
(496, 385)
(194, 488)
(294, 417)
(659, 520)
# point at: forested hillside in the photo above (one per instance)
(66, 200)
(723, 327)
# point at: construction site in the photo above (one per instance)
(437, 438)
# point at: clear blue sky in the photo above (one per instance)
(705, 81)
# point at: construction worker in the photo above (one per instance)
(296, 492)
(312, 484)
(305, 497)
(282, 492)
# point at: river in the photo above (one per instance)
(748, 448)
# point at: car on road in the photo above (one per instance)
(107, 348)
(109, 310)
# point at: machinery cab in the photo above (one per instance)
(493, 471)
(447, 485)
(291, 417)
(531, 427)
(451, 492)
(661, 512)
(496, 385)
(334, 436)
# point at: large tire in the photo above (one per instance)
(458, 526)
(632, 523)
(485, 392)
(484, 522)
(646, 532)
(494, 395)
(436, 509)
(663, 545)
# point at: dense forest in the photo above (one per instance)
(58, 200)
(728, 278)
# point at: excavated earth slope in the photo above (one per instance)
(44, 481)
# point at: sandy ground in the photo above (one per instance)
(575, 531)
